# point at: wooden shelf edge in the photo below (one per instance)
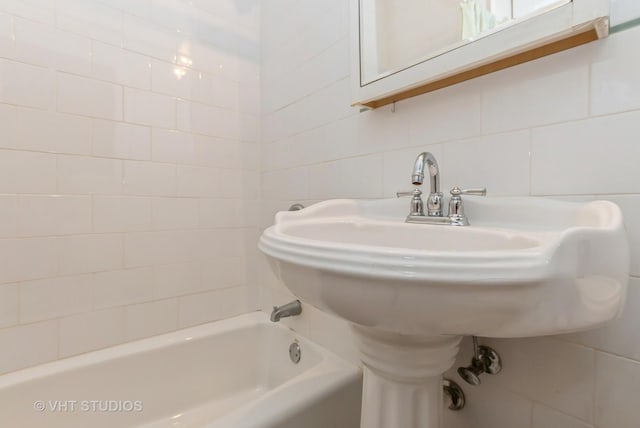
(541, 51)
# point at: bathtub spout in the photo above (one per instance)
(288, 310)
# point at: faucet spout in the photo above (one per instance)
(434, 200)
(288, 310)
(426, 158)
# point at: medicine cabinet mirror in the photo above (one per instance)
(403, 49)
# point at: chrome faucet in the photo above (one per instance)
(288, 310)
(434, 215)
(434, 200)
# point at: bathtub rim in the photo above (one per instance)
(162, 341)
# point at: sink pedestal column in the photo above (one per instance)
(403, 377)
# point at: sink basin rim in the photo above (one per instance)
(518, 265)
(525, 265)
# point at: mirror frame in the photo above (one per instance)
(564, 27)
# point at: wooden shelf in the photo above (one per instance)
(530, 55)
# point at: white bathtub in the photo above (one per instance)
(229, 374)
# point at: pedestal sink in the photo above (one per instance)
(524, 267)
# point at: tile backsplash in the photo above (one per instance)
(563, 126)
(129, 167)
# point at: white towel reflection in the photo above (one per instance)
(476, 19)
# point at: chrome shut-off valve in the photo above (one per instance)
(456, 395)
(485, 360)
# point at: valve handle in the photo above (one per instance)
(414, 192)
(480, 191)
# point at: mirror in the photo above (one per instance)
(399, 37)
(399, 46)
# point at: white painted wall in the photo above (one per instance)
(128, 170)
(565, 126)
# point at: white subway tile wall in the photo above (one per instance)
(563, 126)
(129, 155)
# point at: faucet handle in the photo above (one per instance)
(414, 192)
(480, 191)
(416, 207)
(456, 207)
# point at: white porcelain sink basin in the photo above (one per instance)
(524, 267)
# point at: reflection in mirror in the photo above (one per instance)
(394, 37)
